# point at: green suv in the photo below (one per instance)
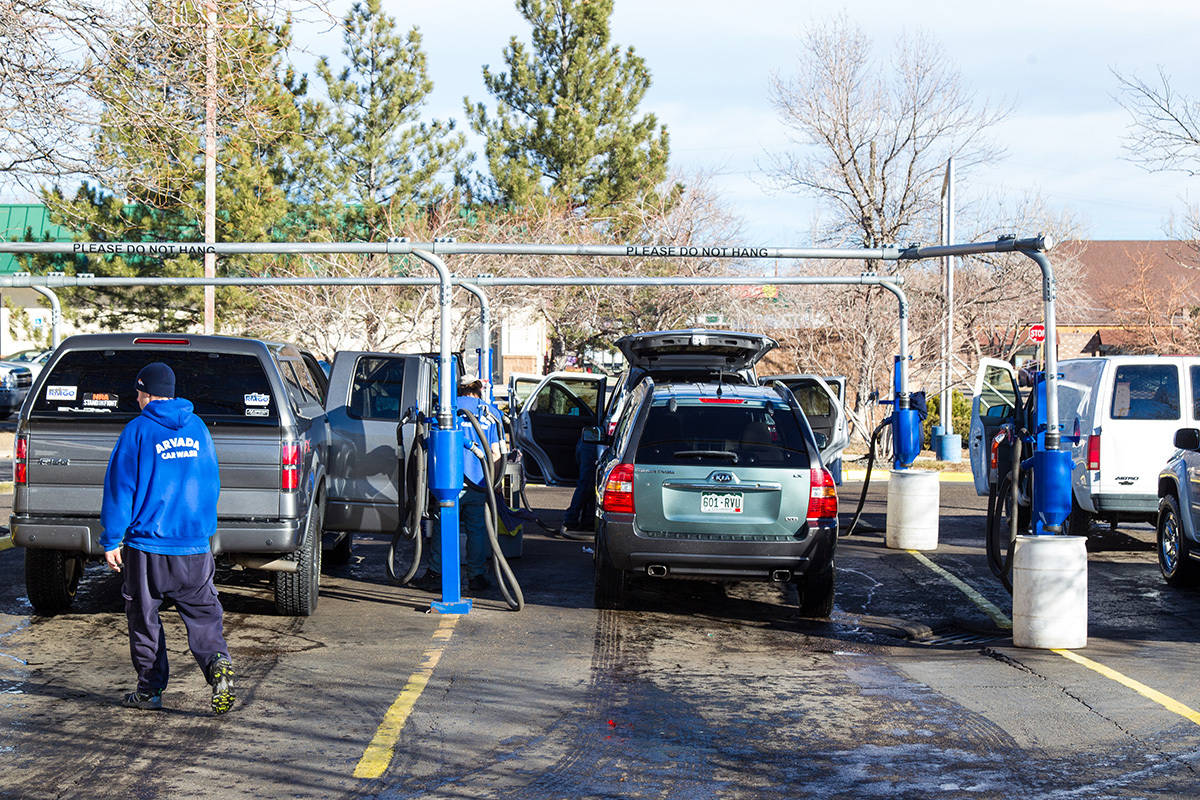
(717, 482)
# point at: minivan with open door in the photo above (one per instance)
(552, 420)
(993, 404)
(369, 395)
(820, 399)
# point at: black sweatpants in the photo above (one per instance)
(151, 578)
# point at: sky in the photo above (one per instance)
(711, 63)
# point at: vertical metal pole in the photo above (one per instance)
(485, 341)
(452, 601)
(210, 160)
(1049, 293)
(55, 314)
(947, 407)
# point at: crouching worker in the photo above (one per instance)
(159, 511)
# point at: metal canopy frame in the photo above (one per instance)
(431, 252)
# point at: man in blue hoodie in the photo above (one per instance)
(160, 500)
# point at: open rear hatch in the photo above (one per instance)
(695, 349)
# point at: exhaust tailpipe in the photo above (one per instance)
(657, 570)
(781, 575)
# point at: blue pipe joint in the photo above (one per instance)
(906, 436)
(1051, 489)
(446, 464)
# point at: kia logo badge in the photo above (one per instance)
(722, 477)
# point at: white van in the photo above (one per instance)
(1125, 411)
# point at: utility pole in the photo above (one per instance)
(210, 161)
(947, 407)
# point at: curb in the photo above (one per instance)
(858, 475)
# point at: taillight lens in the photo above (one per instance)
(1093, 452)
(21, 459)
(822, 496)
(994, 455)
(289, 462)
(618, 490)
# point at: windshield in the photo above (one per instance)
(717, 431)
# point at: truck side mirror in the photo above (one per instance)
(822, 440)
(1187, 439)
(591, 435)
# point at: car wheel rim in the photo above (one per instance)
(1170, 543)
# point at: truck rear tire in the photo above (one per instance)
(51, 578)
(296, 592)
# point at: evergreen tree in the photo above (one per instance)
(148, 163)
(566, 126)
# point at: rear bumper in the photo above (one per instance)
(726, 559)
(82, 534)
(1144, 506)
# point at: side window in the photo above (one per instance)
(560, 398)
(377, 389)
(625, 421)
(1146, 391)
(812, 399)
(300, 383)
(997, 398)
(1195, 373)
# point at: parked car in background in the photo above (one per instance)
(15, 380)
(717, 481)
(33, 359)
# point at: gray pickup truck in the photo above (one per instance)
(305, 460)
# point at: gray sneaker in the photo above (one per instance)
(146, 701)
(220, 675)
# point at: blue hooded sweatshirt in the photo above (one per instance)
(162, 484)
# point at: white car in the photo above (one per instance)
(34, 360)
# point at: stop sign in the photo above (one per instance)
(1037, 333)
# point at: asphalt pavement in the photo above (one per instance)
(913, 689)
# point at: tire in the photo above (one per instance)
(296, 592)
(341, 552)
(816, 591)
(1174, 559)
(609, 582)
(51, 578)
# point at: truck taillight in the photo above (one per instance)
(21, 459)
(994, 455)
(1093, 452)
(822, 496)
(618, 490)
(289, 463)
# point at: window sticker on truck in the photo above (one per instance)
(256, 399)
(100, 399)
(61, 392)
(257, 412)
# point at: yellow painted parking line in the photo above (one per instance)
(379, 752)
(1169, 703)
(5, 542)
(999, 617)
(1002, 621)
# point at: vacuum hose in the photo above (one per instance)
(504, 574)
(409, 524)
(862, 498)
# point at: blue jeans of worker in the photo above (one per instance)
(472, 505)
(583, 502)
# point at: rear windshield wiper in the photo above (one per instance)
(707, 454)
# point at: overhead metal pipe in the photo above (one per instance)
(55, 314)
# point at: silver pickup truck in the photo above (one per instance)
(304, 459)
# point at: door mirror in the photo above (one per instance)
(822, 440)
(591, 435)
(1187, 439)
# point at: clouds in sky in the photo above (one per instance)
(711, 62)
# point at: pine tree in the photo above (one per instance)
(381, 158)
(147, 167)
(566, 126)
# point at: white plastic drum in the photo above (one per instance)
(1050, 592)
(913, 506)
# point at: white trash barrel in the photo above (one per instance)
(913, 507)
(1050, 592)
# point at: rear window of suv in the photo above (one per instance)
(223, 387)
(723, 432)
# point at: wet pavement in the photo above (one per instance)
(694, 691)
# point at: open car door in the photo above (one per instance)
(993, 404)
(552, 420)
(822, 406)
(368, 395)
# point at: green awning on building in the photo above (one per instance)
(20, 222)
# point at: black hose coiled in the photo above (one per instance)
(504, 574)
(862, 498)
(408, 526)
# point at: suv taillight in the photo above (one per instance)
(822, 496)
(1093, 452)
(618, 490)
(289, 466)
(21, 459)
